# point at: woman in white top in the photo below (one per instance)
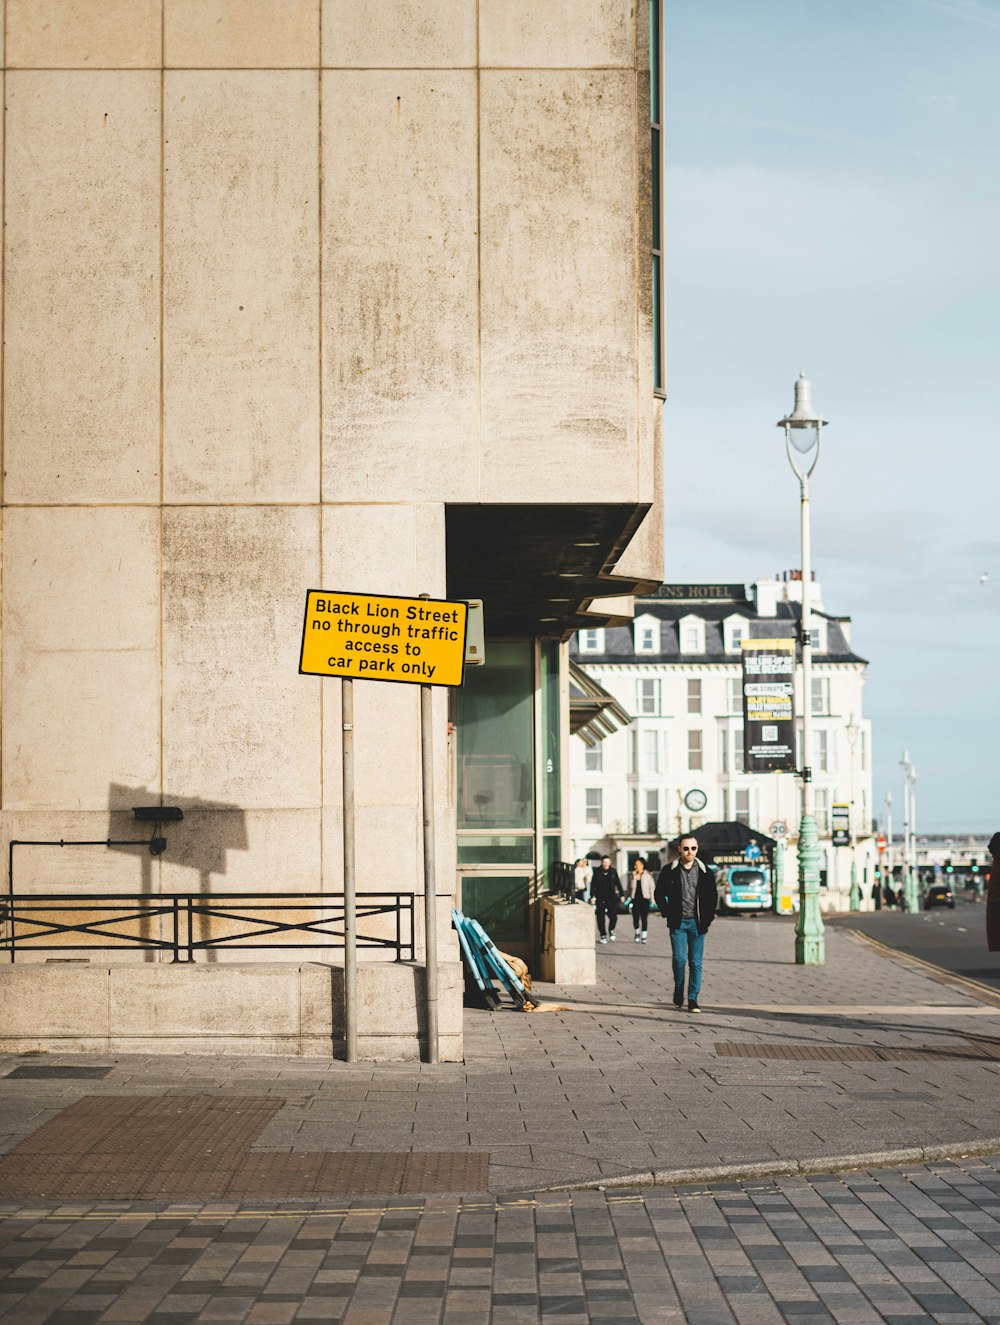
(582, 876)
(640, 889)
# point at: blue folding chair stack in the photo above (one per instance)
(486, 963)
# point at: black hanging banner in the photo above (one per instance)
(840, 824)
(769, 705)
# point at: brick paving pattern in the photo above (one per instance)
(879, 1247)
(198, 1146)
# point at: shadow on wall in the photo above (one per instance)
(201, 842)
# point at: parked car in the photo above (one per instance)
(939, 894)
(742, 889)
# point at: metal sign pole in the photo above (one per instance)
(350, 891)
(430, 875)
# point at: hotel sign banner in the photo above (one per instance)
(769, 705)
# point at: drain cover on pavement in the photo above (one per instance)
(41, 1073)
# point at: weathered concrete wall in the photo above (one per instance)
(81, 296)
(281, 279)
(267, 1008)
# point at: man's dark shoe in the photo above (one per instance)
(693, 1007)
(678, 998)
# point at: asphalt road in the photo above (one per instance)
(955, 940)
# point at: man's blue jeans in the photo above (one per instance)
(686, 945)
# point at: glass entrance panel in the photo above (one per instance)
(499, 903)
(494, 713)
(496, 849)
(551, 778)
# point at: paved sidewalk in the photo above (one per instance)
(876, 1061)
(878, 1248)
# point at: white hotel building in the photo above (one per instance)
(677, 670)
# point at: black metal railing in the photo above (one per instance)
(562, 880)
(186, 923)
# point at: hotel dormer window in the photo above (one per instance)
(591, 641)
(692, 635)
(646, 634)
(735, 629)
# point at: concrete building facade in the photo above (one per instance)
(298, 294)
(677, 670)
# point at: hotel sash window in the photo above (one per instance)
(741, 805)
(734, 694)
(694, 694)
(821, 694)
(651, 752)
(648, 696)
(652, 824)
(695, 757)
(595, 805)
(593, 759)
(737, 749)
(822, 761)
(821, 806)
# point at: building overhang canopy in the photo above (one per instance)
(593, 712)
(538, 568)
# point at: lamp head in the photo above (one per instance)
(803, 416)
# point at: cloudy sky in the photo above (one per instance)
(833, 207)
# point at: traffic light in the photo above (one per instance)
(948, 868)
(975, 869)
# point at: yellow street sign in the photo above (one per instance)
(379, 637)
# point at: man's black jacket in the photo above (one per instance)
(668, 895)
(605, 885)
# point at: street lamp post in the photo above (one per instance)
(802, 439)
(854, 903)
(911, 890)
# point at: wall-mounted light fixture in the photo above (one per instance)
(158, 815)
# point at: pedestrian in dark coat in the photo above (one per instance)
(687, 896)
(606, 889)
(993, 897)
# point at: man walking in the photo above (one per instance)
(686, 895)
(605, 889)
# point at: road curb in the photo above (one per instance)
(790, 1168)
(940, 974)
